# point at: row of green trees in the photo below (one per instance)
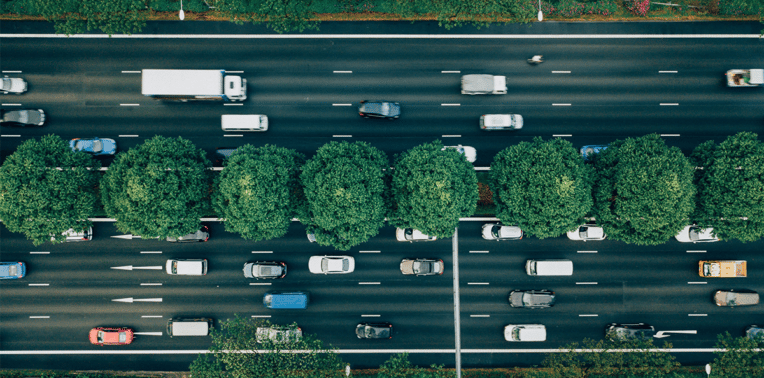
(163, 187)
(236, 353)
(638, 189)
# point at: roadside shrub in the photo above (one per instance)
(638, 7)
(737, 8)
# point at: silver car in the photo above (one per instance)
(22, 118)
(265, 269)
(498, 232)
(13, 85)
(278, 335)
(199, 236)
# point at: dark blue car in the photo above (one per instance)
(379, 109)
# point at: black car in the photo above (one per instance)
(638, 331)
(531, 298)
(379, 109)
(22, 118)
(374, 331)
(199, 236)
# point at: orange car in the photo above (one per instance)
(111, 336)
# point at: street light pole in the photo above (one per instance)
(708, 370)
(182, 15)
(541, 14)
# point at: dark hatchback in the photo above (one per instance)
(531, 298)
(379, 109)
(22, 118)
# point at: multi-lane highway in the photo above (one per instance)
(589, 91)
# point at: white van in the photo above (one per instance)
(549, 267)
(187, 267)
(244, 122)
(189, 326)
(525, 332)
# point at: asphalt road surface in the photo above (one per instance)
(589, 90)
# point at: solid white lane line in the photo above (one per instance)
(40, 253)
(343, 71)
(148, 333)
(586, 251)
(386, 36)
(342, 104)
(586, 283)
(39, 284)
(478, 251)
(450, 71)
(480, 316)
(369, 251)
(668, 71)
(369, 283)
(262, 251)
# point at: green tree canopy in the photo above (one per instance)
(230, 355)
(345, 184)
(432, 188)
(643, 192)
(604, 357)
(731, 187)
(741, 358)
(80, 16)
(543, 187)
(158, 189)
(258, 192)
(399, 366)
(280, 15)
(46, 189)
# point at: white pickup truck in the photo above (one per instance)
(484, 84)
(745, 78)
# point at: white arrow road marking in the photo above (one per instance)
(130, 267)
(131, 300)
(148, 333)
(661, 334)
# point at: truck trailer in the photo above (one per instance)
(484, 84)
(193, 85)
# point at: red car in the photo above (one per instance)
(111, 336)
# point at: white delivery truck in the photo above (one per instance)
(193, 85)
(484, 84)
(745, 78)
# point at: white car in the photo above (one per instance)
(469, 152)
(13, 85)
(412, 235)
(331, 264)
(525, 332)
(278, 334)
(587, 232)
(501, 122)
(695, 234)
(498, 232)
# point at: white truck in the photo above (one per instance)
(193, 85)
(745, 78)
(722, 268)
(484, 84)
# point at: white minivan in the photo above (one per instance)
(549, 267)
(189, 326)
(525, 332)
(243, 122)
(187, 267)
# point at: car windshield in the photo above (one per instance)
(97, 146)
(422, 267)
(384, 108)
(582, 232)
(6, 84)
